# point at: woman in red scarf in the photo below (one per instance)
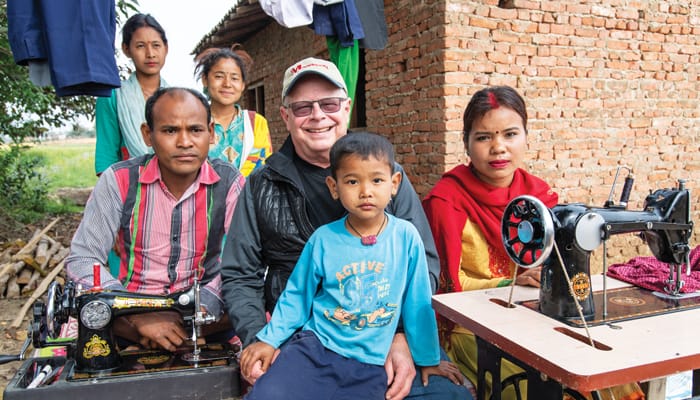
(465, 208)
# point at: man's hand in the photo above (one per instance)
(399, 368)
(446, 369)
(531, 277)
(256, 359)
(157, 329)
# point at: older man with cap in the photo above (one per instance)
(286, 200)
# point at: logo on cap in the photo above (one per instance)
(311, 65)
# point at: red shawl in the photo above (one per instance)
(464, 196)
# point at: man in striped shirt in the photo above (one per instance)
(167, 213)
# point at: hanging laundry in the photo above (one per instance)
(74, 38)
(340, 20)
(371, 14)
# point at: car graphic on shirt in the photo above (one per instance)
(380, 316)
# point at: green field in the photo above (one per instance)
(68, 163)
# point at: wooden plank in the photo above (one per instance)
(29, 246)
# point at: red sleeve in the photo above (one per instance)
(446, 224)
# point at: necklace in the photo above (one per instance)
(226, 117)
(368, 240)
(147, 93)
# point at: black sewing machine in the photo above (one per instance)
(96, 310)
(94, 365)
(562, 239)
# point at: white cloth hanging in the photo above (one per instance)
(295, 13)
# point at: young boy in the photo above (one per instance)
(355, 279)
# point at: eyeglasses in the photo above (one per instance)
(328, 105)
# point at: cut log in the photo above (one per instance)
(24, 276)
(51, 240)
(29, 247)
(55, 247)
(29, 260)
(5, 268)
(42, 249)
(8, 271)
(44, 266)
(59, 256)
(37, 293)
(12, 291)
(31, 284)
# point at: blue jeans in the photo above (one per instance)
(439, 387)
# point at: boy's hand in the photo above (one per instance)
(446, 369)
(255, 360)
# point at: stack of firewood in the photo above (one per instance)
(24, 266)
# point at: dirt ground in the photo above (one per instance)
(10, 343)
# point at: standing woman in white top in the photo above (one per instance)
(118, 118)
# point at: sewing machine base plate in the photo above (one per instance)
(625, 304)
(143, 374)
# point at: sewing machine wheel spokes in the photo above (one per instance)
(53, 301)
(527, 231)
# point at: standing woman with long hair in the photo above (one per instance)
(242, 136)
(118, 118)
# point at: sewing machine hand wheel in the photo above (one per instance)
(527, 231)
(56, 308)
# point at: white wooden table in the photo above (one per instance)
(643, 349)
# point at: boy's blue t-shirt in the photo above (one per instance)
(352, 296)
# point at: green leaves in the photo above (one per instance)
(24, 192)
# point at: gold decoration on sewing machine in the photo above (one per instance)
(96, 347)
(581, 285)
(627, 301)
(153, 359)
(130, 302)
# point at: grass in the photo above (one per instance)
(68, 164)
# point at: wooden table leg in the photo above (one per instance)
(657, 389)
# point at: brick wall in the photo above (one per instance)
(607, 83)
(407, 96)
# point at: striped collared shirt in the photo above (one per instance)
(165, 238)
